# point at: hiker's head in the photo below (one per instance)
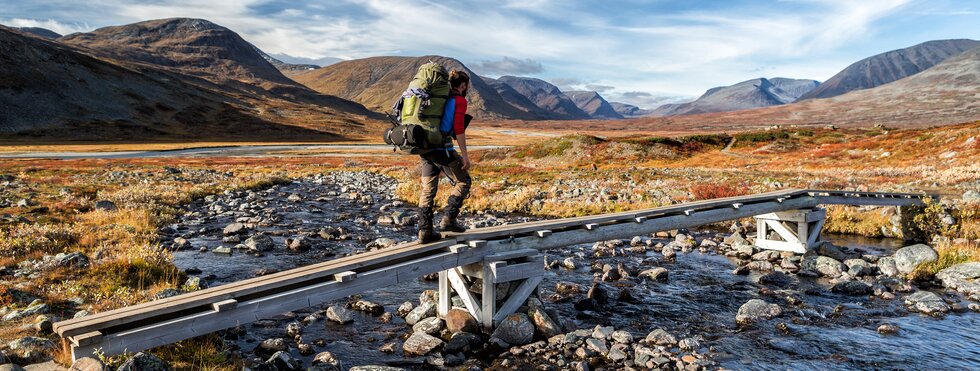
(459, 81)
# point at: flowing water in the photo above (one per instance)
(701, 298)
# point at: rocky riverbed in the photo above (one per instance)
(696, 299)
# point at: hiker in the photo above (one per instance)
(447, 161)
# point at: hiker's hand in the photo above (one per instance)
(466, 163)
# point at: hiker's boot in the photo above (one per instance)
(449, 214)
(426, 234)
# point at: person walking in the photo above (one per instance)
(447, 161)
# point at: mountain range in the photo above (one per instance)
(890, 66)
(190, 78)
(753, 93)
(136, 82)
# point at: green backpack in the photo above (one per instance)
(427, 112)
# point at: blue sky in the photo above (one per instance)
(640, 52)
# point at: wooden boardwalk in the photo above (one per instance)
(169, 320)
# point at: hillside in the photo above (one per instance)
(378, 81)
(517, 100)
(890, 66)
(749, 94)
(192, 46)
(51, 90)
(593, 104)
(629, 110)
(38, 31)
(546, 96)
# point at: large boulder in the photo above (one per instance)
(963, 277)
(516, 329)
(910, 257)
(459, 320)
(756, 310)
(543, 322)
(283, 361)
(339, 314)
(144, 362)
(420, 344)
(927, 302)
(432, 326)
(88, 364)
(260, 242)
(826, 266)
(656, 274)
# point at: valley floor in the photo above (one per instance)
(111, 211)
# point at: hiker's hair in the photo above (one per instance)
(457, 78)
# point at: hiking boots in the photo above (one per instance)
(426, 234)
(449, 223)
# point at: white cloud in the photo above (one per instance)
(680, 51)
(59, 27)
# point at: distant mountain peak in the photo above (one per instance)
(754, 93)
(890, 66)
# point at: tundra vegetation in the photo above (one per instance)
(111, 210)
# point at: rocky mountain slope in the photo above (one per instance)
(192, 46)
(890, 66)
(753, 93)
(593, 104)
(546, 96)
(52, 90)
(378, 81)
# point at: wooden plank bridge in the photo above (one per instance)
(509, 253)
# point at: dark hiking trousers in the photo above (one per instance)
(433, 164)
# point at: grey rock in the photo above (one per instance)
(75, 260)
(543, 322)
(852, 288)
(144, 362)
(425, 310)
(756, 310)
(463, 342)
(269, 346)
(660, 337)
(88, 364)
(927, 302)
(617, 353)
(656, 274)
(689, 344)
(910, 257)
(105, 205)
(887, 266)
(404, 309)
(888, 329)
(420, 343)
(597, 345)
(282, 361)
(826, 266)
(222, 250)
(233, 229)
(515, 329)
(326, 359)
(858, 266)
(35, 308)
(964, 277)
(260, 243)
(622, 337)
(831, 251)
(293, 329)
(339, 314)
(431, 326)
